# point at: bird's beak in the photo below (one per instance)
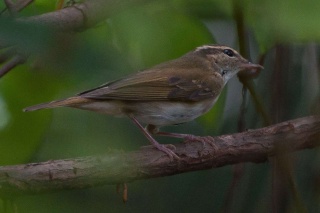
(250, 70)
(250, 66)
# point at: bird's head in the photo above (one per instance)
(225, 60)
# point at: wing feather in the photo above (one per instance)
(156, 85)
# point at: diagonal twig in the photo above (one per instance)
(15, 61)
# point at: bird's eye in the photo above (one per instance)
(224, 72)
(228, 52)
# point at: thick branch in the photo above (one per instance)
(251, 146)
(83, 15)
(70, 19)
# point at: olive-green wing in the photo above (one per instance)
(158, 86)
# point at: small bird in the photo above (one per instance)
(170, 93)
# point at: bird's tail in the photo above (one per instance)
(73, 101)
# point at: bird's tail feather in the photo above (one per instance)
(73, 101)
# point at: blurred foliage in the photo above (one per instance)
(285, 32)
(146, 28)
(284, 21)
(20, 133)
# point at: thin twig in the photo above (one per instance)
(257, 100)
(6, 55)
(246, 79)
(15, 61)
(21, 4)
(10, 5)
(238, 170)
(15, 7)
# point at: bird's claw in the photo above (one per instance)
(204, 140)
(164, 148)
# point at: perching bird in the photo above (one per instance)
(172, 92)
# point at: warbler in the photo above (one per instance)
(172, 92)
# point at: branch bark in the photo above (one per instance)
(112, 168)
(75, 18)
(82, 15)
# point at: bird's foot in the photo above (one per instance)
(154, 143)
(204, 140)
(189, 138)
(168, 150)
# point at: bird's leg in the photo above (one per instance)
(187, 137)
(155, 131)
(160, 147)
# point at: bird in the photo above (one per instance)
(170, 93)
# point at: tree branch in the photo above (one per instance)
(112, 168)
(83, 15)
(17, 6)
(77, 17)
(15, 61)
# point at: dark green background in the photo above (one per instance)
(286, 32)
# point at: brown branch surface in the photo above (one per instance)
(75, 18)
(83, 15)
(112, 168)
